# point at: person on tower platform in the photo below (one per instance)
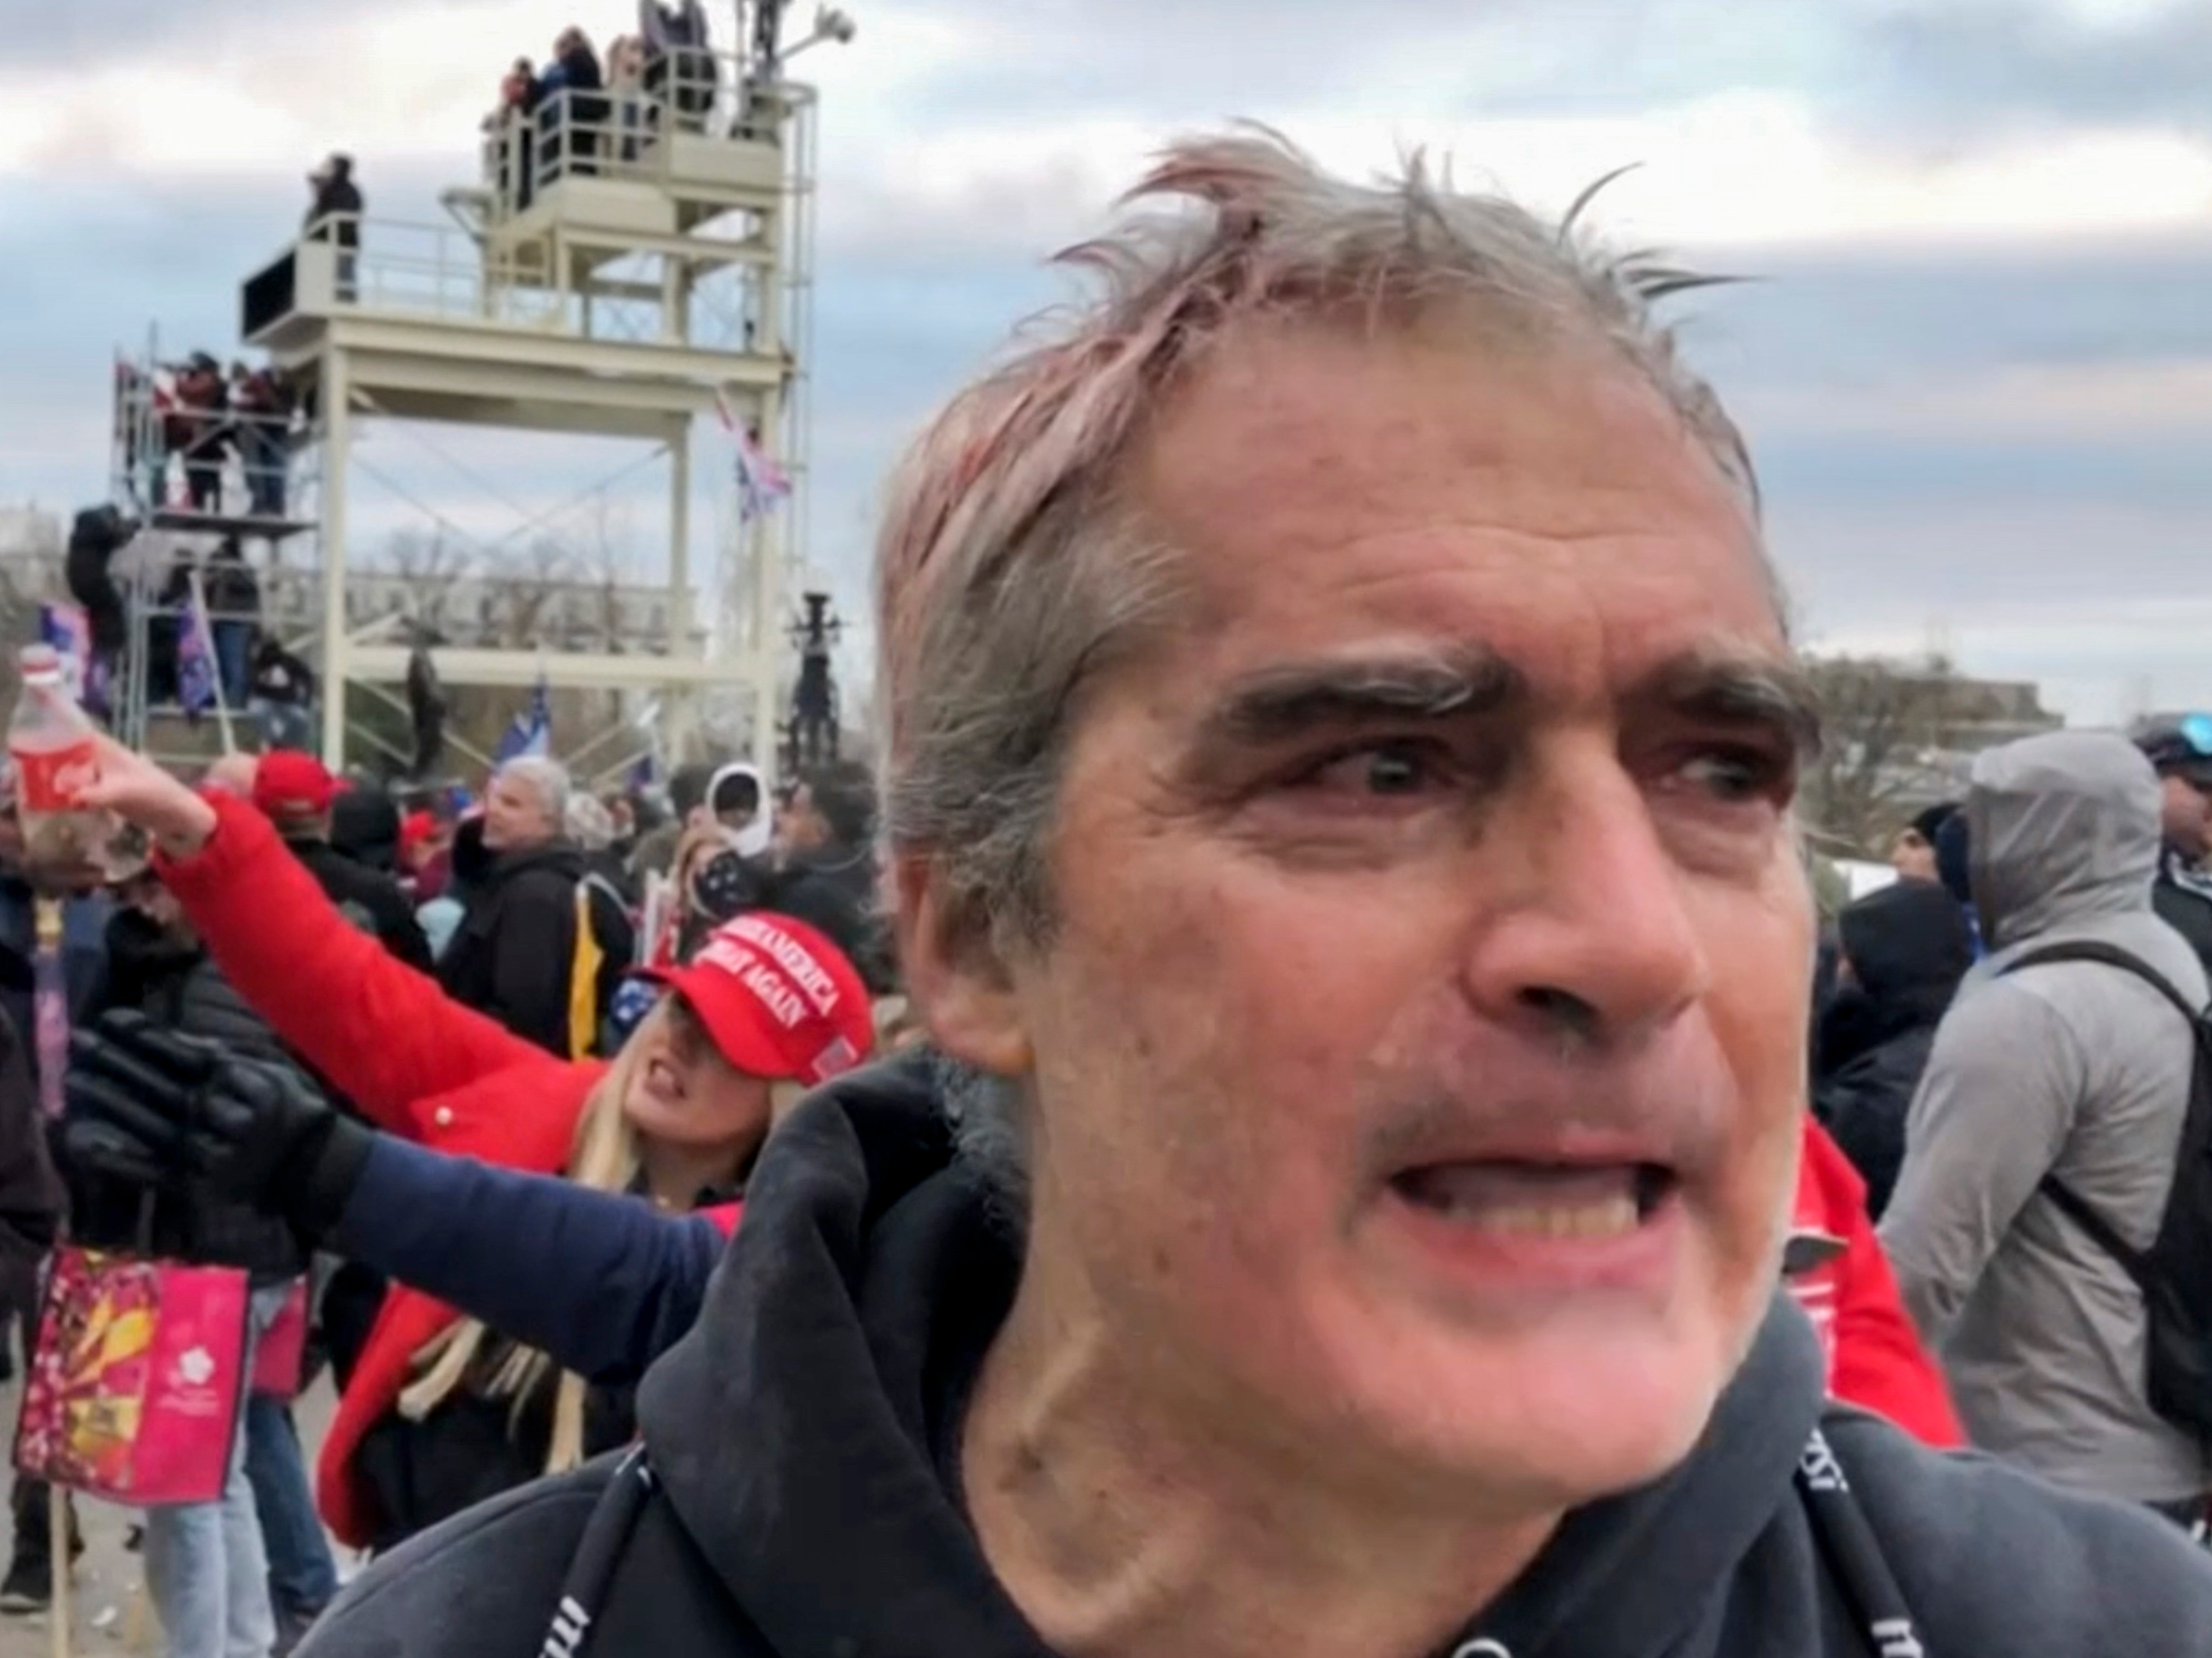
(334, 212)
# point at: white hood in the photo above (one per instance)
(754, 840)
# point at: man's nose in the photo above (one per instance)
(1587, 930)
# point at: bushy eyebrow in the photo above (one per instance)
(1723, 686)
(1279, 704)
(1739, 689)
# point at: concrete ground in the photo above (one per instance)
(109, 1613)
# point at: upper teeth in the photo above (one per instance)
(1606, 1218)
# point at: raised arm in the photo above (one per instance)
(604, 1282)
(384, 1035)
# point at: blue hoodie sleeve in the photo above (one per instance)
(605, 1283)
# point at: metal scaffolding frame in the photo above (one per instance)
(624, 266)
(196, 475)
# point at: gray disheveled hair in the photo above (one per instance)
(546, 779)
(1012, 570)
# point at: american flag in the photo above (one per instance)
(532, 731)
(763, 483)
(195, 661)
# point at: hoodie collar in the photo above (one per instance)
(557, 855)
(1629, 1577)
(791, 1429)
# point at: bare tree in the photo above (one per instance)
(429, 566)
(526, 590)
(1889, 732)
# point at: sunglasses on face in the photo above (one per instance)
(2196, 730)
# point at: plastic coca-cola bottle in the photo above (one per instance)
(50, 742)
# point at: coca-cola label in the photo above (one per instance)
(52, 779)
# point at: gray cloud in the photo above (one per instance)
(1957, 70)
(1844, 318)
(1166, 59)
(88, 33)
(1897, 73)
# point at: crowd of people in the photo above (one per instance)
(281, 931)
(579, 110)
(217, 593)
(205, 419)
(1379, 1152)
(2010, 1060)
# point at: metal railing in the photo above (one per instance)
(619, 130)
(195, 441)
(344, 260)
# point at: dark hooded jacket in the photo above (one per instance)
(833, 889)
(365, 826)
(514, 954)
(1908, 946)
(790, 1500)
(368, 897)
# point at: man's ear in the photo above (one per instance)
(954, 977)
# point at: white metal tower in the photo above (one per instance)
(629, 261)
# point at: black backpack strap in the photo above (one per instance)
(2070, 1201)
(2077, 1209)
(2089, 949)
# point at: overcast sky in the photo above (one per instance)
(1977, 368)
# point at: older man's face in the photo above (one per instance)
(515, 817)
(1419, 1057)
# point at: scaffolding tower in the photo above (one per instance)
(209, 460)
(630, 263)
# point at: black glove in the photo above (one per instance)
(151, 1107)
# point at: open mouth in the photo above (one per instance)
(1545, 1200)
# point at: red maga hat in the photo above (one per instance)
(778, 1000)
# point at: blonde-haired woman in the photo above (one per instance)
(439, 1412)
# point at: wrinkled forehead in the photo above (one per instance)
(1328, 492)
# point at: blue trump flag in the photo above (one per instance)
(532, 731)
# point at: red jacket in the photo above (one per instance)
(419, 1066)
(1876, 1358)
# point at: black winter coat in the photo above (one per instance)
(335, 197)
(179, 987)
(371, 899)
(1908, 946)
(516, 948)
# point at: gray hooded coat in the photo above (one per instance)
(2075, 1068)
